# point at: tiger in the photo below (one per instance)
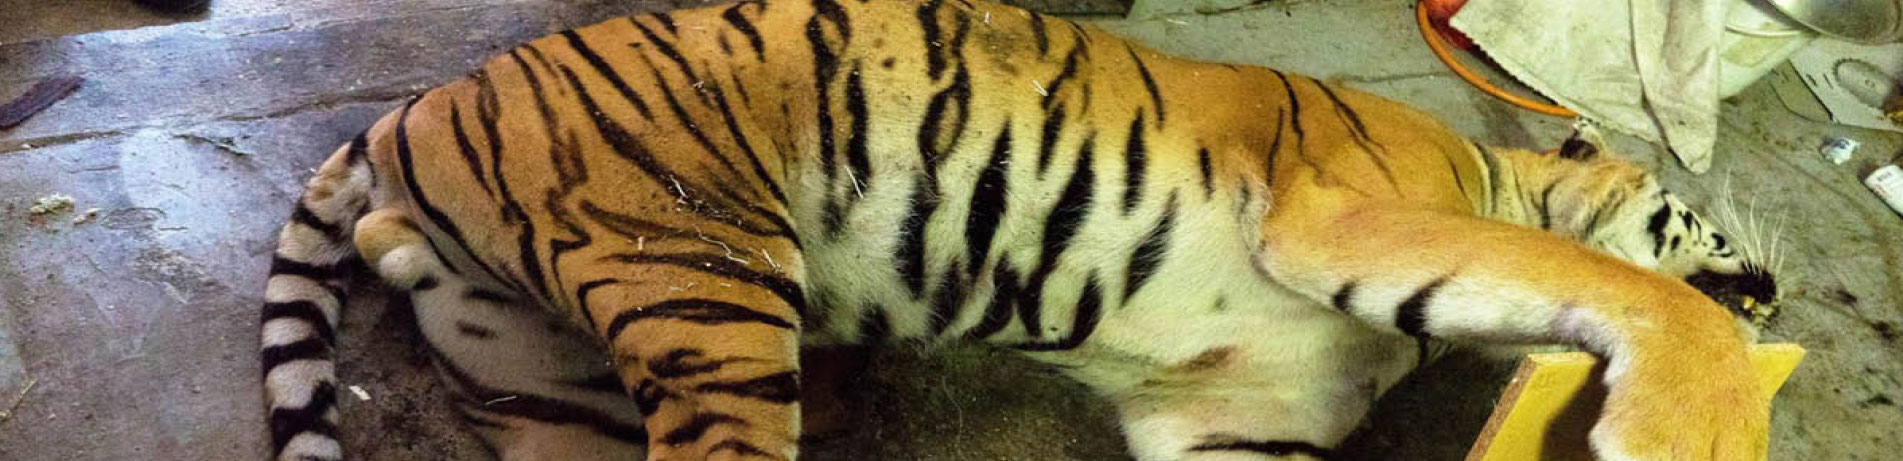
(619, 237)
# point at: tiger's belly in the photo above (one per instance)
(1163, 285)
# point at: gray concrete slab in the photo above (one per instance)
(192, 134)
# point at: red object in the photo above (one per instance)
(1438, 14)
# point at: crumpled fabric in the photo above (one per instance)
(1648, 68)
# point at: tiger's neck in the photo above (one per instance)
(1567, 197)
(1523, 188)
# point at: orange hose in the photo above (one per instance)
(1440, 51)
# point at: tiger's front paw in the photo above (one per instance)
(1684, 406)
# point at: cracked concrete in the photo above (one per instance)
(192, 134)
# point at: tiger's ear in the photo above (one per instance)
(1576, 148)
(1585, 142)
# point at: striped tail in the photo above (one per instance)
(303, 299)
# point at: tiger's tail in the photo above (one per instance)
(303, 300)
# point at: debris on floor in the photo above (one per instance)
(18, 399)
(37, 98)
(1887, 182)
(51, 204)
(362, 396)
(88, 216)
(1838, 150)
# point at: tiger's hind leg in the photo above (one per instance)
(528, 382)
(703, 327)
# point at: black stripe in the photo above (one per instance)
(1412, 316)
(1150, 252)
(740, 139)
(1053, 132)
(1546, 209)
(607, 72)
(1039, 33)
(1359, 133)
(1295, 121)
(830, 11)
(680, 363)
(952, 291)
(628, 226)
(928, 24)
(666, 21)
(488, 107)
(1266, 447)
(825, 66)
(1420, 344)
(1072, 207)
(599, 382)
(1149, 83)
(358, 150)
(1056, 86)
(740, 448)
(281, 265)
(474, 330)
(425, 283)
(305, 311)
(937, 139)
(696, 427)
(304, 215)
(1610, 203)
(1275, 149)
(874, 326)
(786, 289)
(581, 299)
(701, 311)
(1134, 162)
(667, 49)
(1209, 179)
(911, 252)
(1454, 169)
(464, 147)
(1083, 321)
(998, 311)
(1656, 226)
(687, 120)
(1345, 296)
(648, 396)
(488, 296)
(987, 203)
(857, 161)
(782, 387)
(304, 349)
(417, 197)
(287, 423)
(1493, 170)
(629, 147)
(739, 21)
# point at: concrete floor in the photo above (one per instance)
(191, 135)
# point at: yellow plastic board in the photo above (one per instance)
(1551, 404)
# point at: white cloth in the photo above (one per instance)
(1648, 68)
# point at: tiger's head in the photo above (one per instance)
(1619, 208)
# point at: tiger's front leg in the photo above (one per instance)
(1680, 386)
(706, 341)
